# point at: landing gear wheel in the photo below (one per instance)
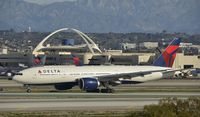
(111, 90)
(28, 90)
(93, 91)
(108, 90)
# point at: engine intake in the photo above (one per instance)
(89, 84)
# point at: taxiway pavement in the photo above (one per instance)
(83, 101)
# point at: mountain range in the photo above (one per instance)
(103, 15)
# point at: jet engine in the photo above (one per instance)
(183, 74)
(64, 86)
(89, 84)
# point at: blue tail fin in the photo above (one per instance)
(166, 59)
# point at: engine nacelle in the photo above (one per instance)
(89, 84)
(65, 86)
(180, 74)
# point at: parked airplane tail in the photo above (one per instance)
(75, 60)
(166, 59)
(39, 60)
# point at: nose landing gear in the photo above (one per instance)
(28, 88)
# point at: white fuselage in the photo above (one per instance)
(63, 74)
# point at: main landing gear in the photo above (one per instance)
(107, 89)
(103, 90)
(28, 88)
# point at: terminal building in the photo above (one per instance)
(149, 45)
(90, 54)
(20, 60)
(128, 46)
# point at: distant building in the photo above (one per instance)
(149, 45)
(190, 49)
(198, 47)
(128, 46)
(4, 50)
(29, 29)
(113, 51)
(186, 45)
(186, 61)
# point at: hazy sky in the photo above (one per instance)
(46, 1)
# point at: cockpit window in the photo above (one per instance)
(19, 74)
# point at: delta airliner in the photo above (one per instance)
(99, 78)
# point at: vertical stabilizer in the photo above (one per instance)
(39, 60)
(166, 59)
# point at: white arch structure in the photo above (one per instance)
(90, 44)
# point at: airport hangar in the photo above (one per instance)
(89, 53)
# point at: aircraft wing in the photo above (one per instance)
(115, 77)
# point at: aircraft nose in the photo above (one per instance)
(17, 77)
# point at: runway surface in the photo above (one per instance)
(83, 101)
(42, 99)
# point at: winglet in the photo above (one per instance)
(166, 59)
